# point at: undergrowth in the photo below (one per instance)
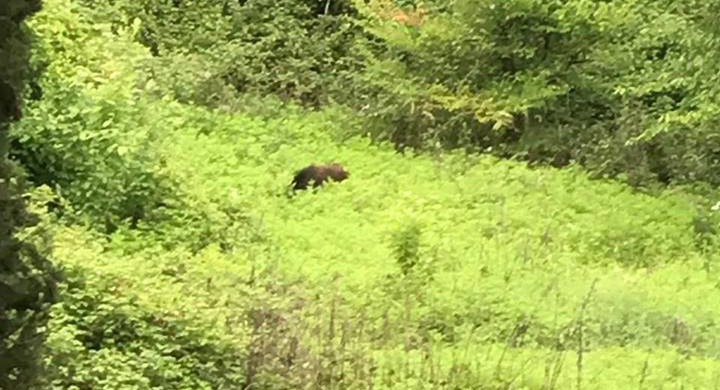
(422, 271)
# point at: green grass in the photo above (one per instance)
(524, 279)
(419, 272)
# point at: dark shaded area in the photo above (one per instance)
(9, 107)
(27, 279)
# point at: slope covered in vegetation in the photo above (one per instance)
(189, 266)
(438, 272)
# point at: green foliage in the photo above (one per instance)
(551, 82)
(512, 257)
(439, 271)
(105, 338)
(27, 278)
(180, 322)
(406, 247)
(291, 49)
(27, 284)
(90, 133)
(596, 83)
(211, 53)
(498, 293)
(451, 79)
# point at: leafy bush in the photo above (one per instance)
(554, 82)
(103, 338)
(178, 322)
(27, 284)
(298, 50)
(27, 278)
(551, 82)
(90, 133)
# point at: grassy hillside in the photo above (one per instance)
(514, 278)
(431, 271)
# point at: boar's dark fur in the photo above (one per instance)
(318, 174)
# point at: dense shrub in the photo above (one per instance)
(103, 338)
(27, 278)
(620, 87)
(298, 50)
(27, 285)
(552, 82)
(89, 133)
